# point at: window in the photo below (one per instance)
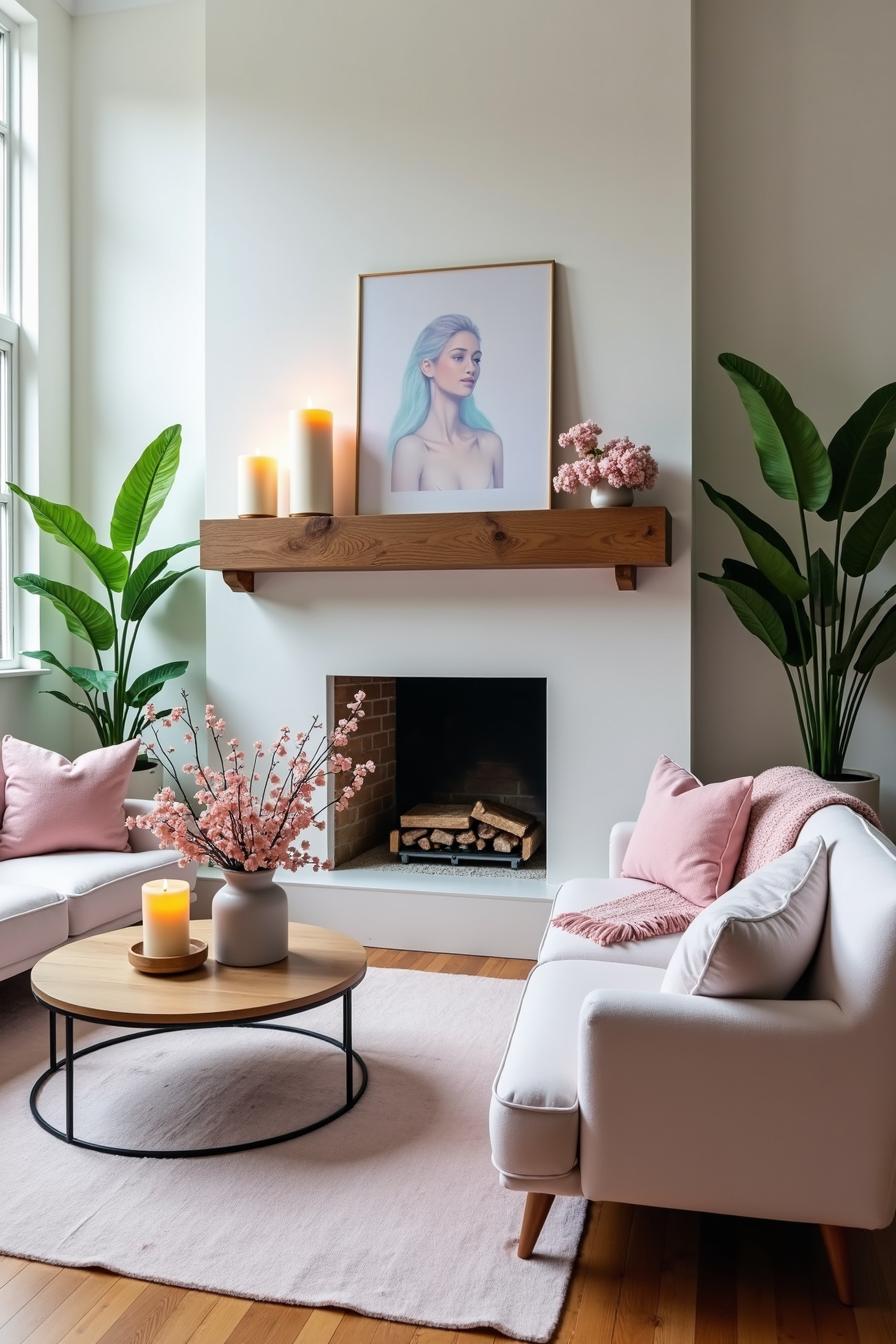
(9, 330)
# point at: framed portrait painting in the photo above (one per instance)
(455, 389)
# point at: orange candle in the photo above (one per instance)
(311, 461)
(166, 918)
(256, 486)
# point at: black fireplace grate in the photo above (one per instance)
(455, 859)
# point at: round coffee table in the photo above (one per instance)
(92, 981)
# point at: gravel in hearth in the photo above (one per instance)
(379, 860)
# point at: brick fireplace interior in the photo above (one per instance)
(441, 740)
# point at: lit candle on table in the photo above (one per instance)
(311, 461)
(166, 918)
(256, 489)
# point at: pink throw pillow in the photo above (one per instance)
(689, 835)
(54, 804)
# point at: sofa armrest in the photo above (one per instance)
(140, 841)
(619, 837)
(759, 1107)
(144, 842)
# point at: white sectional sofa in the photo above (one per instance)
(48, 898)
(782, 1109)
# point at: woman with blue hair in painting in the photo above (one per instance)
(440, 440)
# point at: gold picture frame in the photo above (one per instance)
(482, 459)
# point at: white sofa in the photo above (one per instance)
(48, 898)
(781, 1109)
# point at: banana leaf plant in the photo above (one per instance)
(810, 612)
(112, 695)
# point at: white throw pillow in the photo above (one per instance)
(757, 940)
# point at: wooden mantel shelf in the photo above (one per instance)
(618, 539)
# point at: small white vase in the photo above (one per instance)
(250, 920)
(606, 496)
(861, 784)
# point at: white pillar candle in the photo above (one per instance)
(166, 918)
(256, 490)
(311, 461)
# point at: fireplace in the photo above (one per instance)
(462, 751)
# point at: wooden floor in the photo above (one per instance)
(644, 1276)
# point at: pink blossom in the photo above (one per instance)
(571, 476)
(149, 711)
(232, 824)
(619, 461)
(581, 438)
(624, 464)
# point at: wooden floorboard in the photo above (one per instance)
(643, 1276)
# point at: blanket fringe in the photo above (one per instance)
(606, 933)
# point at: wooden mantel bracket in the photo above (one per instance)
(623, 540)
(239, 580)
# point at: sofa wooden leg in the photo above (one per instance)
(537, 1209)
(834, 1239)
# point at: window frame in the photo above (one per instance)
(10, 315)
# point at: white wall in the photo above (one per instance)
(138, 250)
(44, 350)
(795, 204)
(405, 137)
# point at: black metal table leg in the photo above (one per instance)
(64, 1062)
(69, 1079)
(347, 1043)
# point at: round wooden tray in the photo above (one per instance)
(197, 954)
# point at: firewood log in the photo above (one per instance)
(424, 842)
(439, 837)
(503, 818)
(532, 842)
(445, 816)
(465, 838)
(505, 843)
(411, 837)
(486, 832)
(480, 845)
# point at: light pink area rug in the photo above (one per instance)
(394, 1210)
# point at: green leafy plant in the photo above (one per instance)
(113, 697)
(810, 612)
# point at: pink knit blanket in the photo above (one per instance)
(784, 799)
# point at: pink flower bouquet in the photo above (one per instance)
(233, 820)
(619, 462)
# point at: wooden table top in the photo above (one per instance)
(93, 978)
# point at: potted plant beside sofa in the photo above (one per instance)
(811, 613)
(112, 691)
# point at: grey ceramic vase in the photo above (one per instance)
(861, 784)
(606, 496)
(250, 920)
